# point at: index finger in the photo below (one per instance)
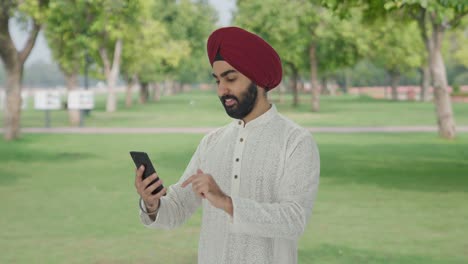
(188, 181)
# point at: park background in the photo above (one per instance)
(361, 76)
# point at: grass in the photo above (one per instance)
(206, 110)
(383, 198)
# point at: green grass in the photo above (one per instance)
(383, 198)
(206, 110)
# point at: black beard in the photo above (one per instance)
(243, 106)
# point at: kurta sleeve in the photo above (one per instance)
(288, 217)
(179, 203)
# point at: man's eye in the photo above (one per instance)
(217, 81)
(231, 80)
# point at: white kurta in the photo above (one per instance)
(271, 169)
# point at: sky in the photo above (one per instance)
(41, 51)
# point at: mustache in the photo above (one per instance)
(225, 97)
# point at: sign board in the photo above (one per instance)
(80, 100)
(24, 100)
(47, 100)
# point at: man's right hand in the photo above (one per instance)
(144, 190)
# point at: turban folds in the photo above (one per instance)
(248, 53)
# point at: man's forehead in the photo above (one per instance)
(222, 68)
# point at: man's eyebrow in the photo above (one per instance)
(224, 73)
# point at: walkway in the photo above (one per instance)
(203, 130)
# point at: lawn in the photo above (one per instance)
(383, 198)
(206, 111)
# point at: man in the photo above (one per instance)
(256, 178)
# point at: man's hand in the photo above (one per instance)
(151, 201)
(206, 187)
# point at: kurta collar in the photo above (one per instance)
(260, 120)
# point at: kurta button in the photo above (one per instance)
(237, 159)
(241, 140)
(235, 176)
(240, 122)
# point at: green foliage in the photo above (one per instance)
(67, 33)
(190, 22)
(149, 49)
(447, 13)
(396, 46)
(278, 22)
(339, 44)
(291, 27)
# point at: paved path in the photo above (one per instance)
(203, 130)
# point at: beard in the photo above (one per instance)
(244, 105)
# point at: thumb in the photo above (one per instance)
(199, 171)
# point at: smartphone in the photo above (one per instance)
(141, 158)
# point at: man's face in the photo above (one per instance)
(237, 93)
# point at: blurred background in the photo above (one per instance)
(382, 85)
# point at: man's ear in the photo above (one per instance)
(262, 91)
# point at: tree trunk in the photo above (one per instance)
(324, 89)
(168, 87)
(443, 103)
(112, 73)
(394, 81)
(72, 83)
(128, 94)
(347, 80)
(177, 87)
(315, 89)
(281, 93)
(300, 86)
(156, 92)
(332, 87)
(425, 82)
(144, 93)
(12, 114)
(129, 91)
(13, 62)
(293, 81)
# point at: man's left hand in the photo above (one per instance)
(206, 187)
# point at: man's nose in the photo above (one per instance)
(222, 89)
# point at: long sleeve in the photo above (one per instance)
(179, 203)
(288, 217)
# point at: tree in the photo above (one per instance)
(66, 30)
(111, 20)
(334, 44)
(434, 18)
(277, 22)
(190, 22)
(150, 50)
(32, 13)
(195, 21)
(396, 47)
(306, 35)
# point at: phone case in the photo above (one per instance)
(141, 158)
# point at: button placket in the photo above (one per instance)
(238, 150)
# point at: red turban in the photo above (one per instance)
(248, 53)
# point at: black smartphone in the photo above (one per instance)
(141, 158)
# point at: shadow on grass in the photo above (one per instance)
(23, 155)
(332, 254)
(19, 154)
(416, 166)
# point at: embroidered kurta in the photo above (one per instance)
(270, 168)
